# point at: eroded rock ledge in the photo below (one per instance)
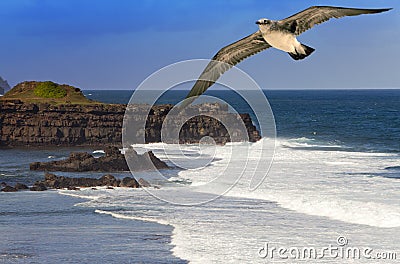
(113, 161)
(43, 124)
(52, 181)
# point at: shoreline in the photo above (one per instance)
(173, 234)
(130, 218)
(174, 250)
(87, 226)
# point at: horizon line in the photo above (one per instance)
(264, 89)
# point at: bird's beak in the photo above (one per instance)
(258, 23)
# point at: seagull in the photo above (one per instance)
(278, 34)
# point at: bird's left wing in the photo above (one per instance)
(308, 18)
(226, 58)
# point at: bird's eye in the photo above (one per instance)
(265, 21)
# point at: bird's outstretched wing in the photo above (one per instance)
(306, 19)
(226, 58)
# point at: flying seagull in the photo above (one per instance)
(279, 34)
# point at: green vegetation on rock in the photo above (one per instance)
(49, 90)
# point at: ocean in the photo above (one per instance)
(330, 195)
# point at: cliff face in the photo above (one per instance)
(32, 124)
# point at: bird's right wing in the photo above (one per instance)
(225, 59)
(306, 19)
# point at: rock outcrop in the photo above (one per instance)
(144, 183)
(113, 161)
(130, 183)
(52, 181)
(20, 186)
(44, 124)
(38, 187)
(9, 188)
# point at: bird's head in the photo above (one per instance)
(264, 24)
(263, 21)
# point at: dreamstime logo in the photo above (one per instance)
(144, 122)
(342, 241)
(339, 251)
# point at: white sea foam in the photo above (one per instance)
(304, 142)
(315, 184)
(308, 198)
(89, 196)
(350, 211)
(131, 217)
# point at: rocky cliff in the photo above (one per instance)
(44, 124)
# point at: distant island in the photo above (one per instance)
(4, 86)
(47, 92)
(38, 114)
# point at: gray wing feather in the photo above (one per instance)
(226, 58)
(315, 15)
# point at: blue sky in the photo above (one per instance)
(116, 44)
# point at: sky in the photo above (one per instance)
(116, 44)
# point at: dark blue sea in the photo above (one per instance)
(336, 172)
(365, 120)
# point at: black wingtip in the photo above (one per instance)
(299, 56)
(383, 10)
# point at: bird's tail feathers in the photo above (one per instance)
(299, 56)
